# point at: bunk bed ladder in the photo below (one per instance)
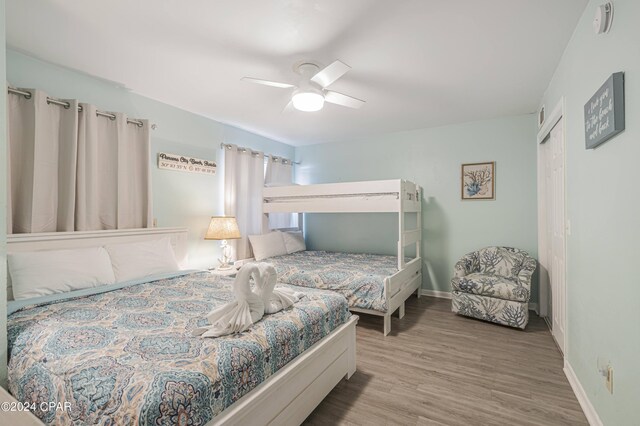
(401, 197)
(401, 226)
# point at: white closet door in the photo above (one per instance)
(556, 204)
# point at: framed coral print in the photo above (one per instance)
(478, 181)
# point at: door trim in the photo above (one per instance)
(552, 119)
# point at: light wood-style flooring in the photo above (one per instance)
(437, 368)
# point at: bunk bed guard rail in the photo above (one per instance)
(391, 196)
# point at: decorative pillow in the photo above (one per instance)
(137, 260)
(41, 273)
(267, 245)
(294, 241)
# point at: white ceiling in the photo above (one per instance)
(417, 63)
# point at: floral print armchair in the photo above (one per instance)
(494, 284)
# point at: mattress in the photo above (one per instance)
(126, 355)
(358, 277)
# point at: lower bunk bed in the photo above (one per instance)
(125, 354)
(372, 284)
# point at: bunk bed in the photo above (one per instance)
(383, 196)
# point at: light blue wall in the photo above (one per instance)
(432, 158)
(3, 205)
(603, 208)
(180, 199)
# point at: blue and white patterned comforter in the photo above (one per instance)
(127, 356)
(358, 277)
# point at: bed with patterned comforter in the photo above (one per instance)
(127, 356)
(358, 277)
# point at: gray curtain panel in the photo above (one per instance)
(75, 171)
(114, 184)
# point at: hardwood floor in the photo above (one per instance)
(437, 368)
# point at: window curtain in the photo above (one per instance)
(279, 173)
(75, 171)
(114, 183)
(243, 183)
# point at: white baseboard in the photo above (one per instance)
(534, 307)
(548, 321)
(435, 293)
(589, 412)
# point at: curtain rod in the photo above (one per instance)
(275, 158)
(27, 95)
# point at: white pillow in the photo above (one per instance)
(294, 241)
(267, 245)
(40, 273)
(137, 260)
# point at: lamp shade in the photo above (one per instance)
(222, 228)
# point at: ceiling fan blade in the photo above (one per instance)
(344, 100)
(330, 73)
(268, 83)
(288, 108)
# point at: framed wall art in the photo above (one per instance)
(478, 181)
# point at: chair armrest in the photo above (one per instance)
(529, 265)
(467, 265)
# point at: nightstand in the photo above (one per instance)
(224, 273)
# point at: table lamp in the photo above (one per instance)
(223, 228)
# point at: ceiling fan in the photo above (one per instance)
(311, 94)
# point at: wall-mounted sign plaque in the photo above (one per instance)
(604, 113)
(183, 163)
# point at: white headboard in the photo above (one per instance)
(70, 240)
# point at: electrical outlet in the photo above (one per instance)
(609, 379)
(155, 222)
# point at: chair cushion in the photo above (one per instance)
(491, 286)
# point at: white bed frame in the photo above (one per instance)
(285, 398)
(380, 196)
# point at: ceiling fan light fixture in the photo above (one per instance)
(308, 101)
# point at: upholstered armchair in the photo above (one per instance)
(494, 284)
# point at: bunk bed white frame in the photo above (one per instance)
(380, 196)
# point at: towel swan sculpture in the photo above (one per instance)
(249, 306)
(274, 299)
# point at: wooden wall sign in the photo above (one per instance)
(182, 163)
(604, 113)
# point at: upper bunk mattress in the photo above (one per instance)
(358, 277)
(127, 356)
